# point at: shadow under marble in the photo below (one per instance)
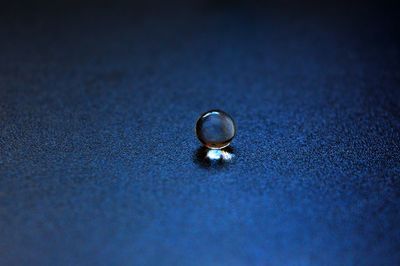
(213, 158)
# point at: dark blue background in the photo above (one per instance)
(98, 157)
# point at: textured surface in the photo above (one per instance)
(98, 158)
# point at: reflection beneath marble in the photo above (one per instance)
(219, 155)
(207, 158)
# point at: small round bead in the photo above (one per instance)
(215, 129)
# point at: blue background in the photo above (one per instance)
(99, 163)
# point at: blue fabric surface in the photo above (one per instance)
(100, 165)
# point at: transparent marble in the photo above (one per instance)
(215, 129)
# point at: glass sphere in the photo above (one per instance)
(215, 129)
